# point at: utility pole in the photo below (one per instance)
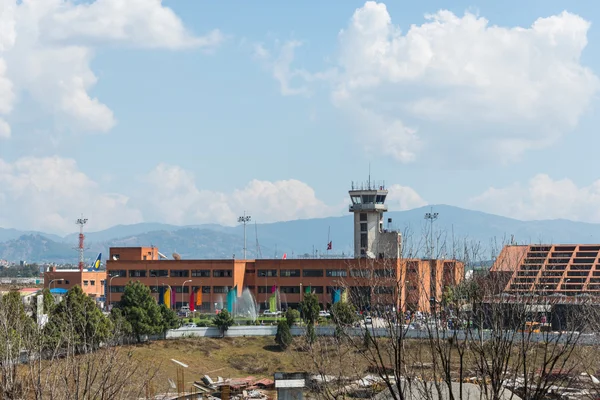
(431, 216)
(244, 220)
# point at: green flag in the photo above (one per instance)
(273, 303)
(307, 289)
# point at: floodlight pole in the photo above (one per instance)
(431, 216)
(244, 219)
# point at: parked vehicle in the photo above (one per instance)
(368, 321)
(268, 313)
(324, 314)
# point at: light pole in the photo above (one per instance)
(170, 293)
(110, 289)
(431, 216)
(182, 285)
(244, 220)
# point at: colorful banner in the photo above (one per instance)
(231, 298)
(167, 298)
(161, 295)
(336, 294)
(173, 298)
(307, 289)
(192, 302)
(344, 298)
(273, 288)
(199, 297)
(273, 303)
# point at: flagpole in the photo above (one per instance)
(328, 233)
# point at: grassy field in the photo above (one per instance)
(227, 357)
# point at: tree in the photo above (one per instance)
(310, 313)
(78, 321)
(48, 302)
(291, 316)
(223, 321)
(284, 335)
(169, 318)
(140, 310)
(343, 313)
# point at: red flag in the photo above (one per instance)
(192, 308)
(273, 288)
(284, 256)
(329, 245)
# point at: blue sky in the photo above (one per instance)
(191, 112)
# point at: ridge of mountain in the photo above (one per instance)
(304, 236)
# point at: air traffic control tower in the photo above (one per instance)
(371, 239)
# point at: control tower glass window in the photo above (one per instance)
(355, 199)
(380, 199)
(368, 199)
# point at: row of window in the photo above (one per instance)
(261, 289)
(174, 273)
(263, 273)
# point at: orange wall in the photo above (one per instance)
(77, 278)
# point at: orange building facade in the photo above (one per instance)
(408, 284)
(92, 282)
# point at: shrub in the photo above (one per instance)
(283, 336)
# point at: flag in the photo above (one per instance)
(273, 288)
(307, 289)
(273, 303)
(96, 264)
(284, 256)
(344, 297)
(231, 298)
(161, 295)
(335, 296)
(329, 245)
(199, 297)
(192, 308)
(173, 298)
(167, 297)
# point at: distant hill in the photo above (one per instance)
(297, 237)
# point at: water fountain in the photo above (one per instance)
(245, 306)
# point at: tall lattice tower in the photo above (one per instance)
(81, 222)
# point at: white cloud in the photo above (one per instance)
(401, 198)
(180, 201)
(50, 193)
(459, 82)
(543, 198)
(47, 47)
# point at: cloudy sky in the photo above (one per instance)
(194, 111)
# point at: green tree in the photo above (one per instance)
(77, 322)
(310, 313)
(223, 321)
(283, 336)
(169, 318)
(343, 313)
(291, 316)
(140, 310)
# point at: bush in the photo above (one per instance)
(283, 336)
(292, 316)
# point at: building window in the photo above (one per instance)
(178, 289)
(336, 273)
(364, 240)
(102, 283)
(220, 289)
(385, 273)
(360, 273)
(180, 273)
(200, 273)
(222, 273)
(66, 282)
(120, 273)
(383, 290)
(316, 289)
(363, 226)
(116, 257)
(92, 283)
(312, 273)
(289, 273)
(145, 257)
(117, 289)
(85, 283)
(267, 272)
(137, 273)
(158, 272)
(363, 217)
(290, 289)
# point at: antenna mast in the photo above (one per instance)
(81, 222)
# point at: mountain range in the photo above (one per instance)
(298, 237)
